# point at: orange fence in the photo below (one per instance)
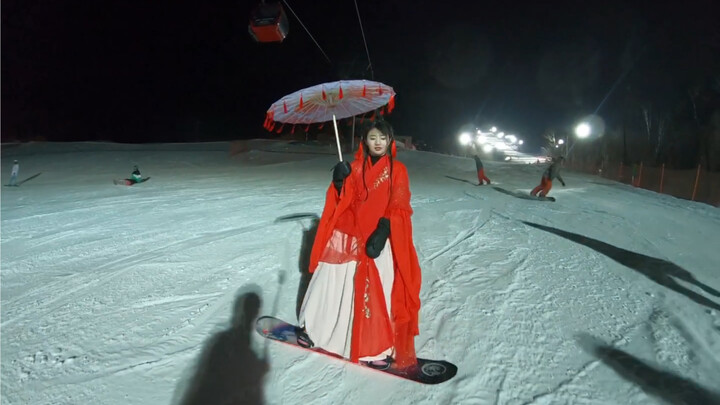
(694, 184)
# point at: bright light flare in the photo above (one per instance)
(501, 146)
(488, 148)
(583, 130)
(465, 138)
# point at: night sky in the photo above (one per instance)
(177, 71)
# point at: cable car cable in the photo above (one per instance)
(306, 30)
(372, 72)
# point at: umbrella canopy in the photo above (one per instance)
(328, 101)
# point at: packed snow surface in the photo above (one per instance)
(144, 294)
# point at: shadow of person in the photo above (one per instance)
(523, 196)
(653, 381)
(463, 180)
(308, 238)
(516, 194)
(228, 371)
(660, 271)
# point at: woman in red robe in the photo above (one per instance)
(364, 297)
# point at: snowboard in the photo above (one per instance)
(424, 372)
(125, 182)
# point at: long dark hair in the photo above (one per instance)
(387, 130)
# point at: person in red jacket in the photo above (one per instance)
(549, 174)
(363, 300)
(480, 171)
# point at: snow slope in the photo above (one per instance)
(146, 294)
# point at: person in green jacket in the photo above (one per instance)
(136, 177)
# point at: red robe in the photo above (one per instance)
(355, 211)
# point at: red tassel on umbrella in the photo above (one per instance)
(269, 120)
(382, 111)
(380, 90)
(284, 107)
(280, 129)
(307, 128)
(364, 90)
(340, 96)
(301, 103)
(321, 125)
(391, 103)
(324, 96)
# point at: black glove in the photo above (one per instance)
(340, 172)
(376, 241)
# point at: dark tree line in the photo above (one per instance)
(664, 108)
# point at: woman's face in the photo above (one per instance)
(377, 142)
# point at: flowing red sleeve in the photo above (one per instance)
(406, 289)
(336, 215)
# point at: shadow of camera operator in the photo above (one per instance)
(228, 371)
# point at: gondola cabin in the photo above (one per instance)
(268, 23)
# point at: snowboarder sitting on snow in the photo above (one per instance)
(549, 174)
(363, 300)
(480, 171)
(135, 178)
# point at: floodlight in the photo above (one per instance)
(583, 130)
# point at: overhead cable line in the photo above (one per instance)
(372, 72)
(306, 30)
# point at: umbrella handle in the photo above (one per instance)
(337, 139)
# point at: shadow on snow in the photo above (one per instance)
(660, 271)
(653, 381)
(228, 370)
(462, 180)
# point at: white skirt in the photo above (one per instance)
(327, 309)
